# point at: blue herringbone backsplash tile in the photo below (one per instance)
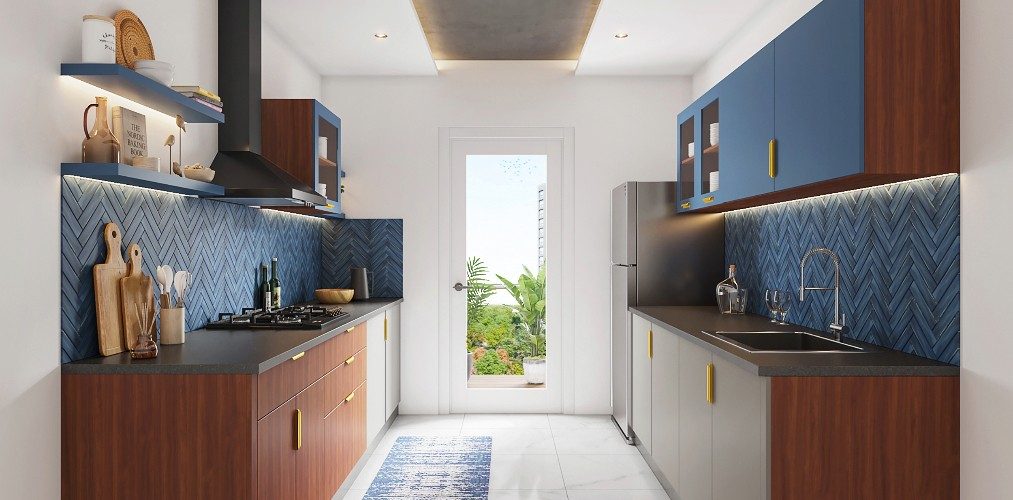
(376, 244)
(900, 261)
(222, 244)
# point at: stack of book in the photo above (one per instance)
(201, 95)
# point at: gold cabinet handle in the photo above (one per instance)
(297, 356)
(708, 199)
(350, 360)
(710, 383)
(350, 330)
(686, 204)
(298, 429)
(385, 337)
(350, 397)
(650, 344)
(772, 158)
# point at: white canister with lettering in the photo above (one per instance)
(98, 40)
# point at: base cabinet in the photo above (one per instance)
(392, 327)
(640, 376)
(695, 426)
(665, 404)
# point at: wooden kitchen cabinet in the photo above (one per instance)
(393, 380)
(640, 365)
(665, 403)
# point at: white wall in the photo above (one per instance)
(286, 75)
(986, 406)
(40, 129)
(758, 32)
(986, 384)
(624, 129)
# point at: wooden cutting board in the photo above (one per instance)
(107, 276)
(137, 293)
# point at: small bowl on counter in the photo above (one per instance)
(334, 295)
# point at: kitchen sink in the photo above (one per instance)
(783, 342)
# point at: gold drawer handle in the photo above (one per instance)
(350, 397)
(710, 383)
(350, 360)
(297, 356)
(350, 330)
(686, 205)
(708, 199)
(298, 429)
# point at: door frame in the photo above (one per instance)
(564, 250)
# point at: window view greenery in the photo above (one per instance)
(501, 338)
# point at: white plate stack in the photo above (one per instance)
(715, 133)
(714, 178)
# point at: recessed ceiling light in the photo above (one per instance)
(622, 34)
(380, 35)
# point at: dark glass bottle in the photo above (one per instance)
(275, 285)
(265, 289)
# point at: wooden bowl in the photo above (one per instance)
(334, 295)
(199, 174)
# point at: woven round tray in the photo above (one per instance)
(132, 40)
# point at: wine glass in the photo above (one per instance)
(768, 297)
(785, 303)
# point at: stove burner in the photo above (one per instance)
(292, 317)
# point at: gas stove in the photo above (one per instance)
(286, 318)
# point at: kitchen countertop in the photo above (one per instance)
(230, 351)
(690, 322)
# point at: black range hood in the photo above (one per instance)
(248, 177)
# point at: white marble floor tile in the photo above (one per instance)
(617, 494)
(607, 472)
(527, 494)
(365, 478)
(388, 440)
(517, 441)
(525, 472)
(352, 495)
(505, 421)
(568, 422)
(592, 441)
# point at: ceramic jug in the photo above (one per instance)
(99, 145)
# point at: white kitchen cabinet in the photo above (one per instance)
(665, 403)
(376, 374)
(393, 360)
(695, 424)
(740, 438)
(640, 413)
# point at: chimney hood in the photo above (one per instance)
(248, 177)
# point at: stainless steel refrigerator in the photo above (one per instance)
(658, 258)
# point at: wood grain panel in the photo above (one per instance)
(281, 383)
(287, 136)
(316, 459)
(158, 436)
(865, 437)
(912, 87)
(277, 459)
(348, 376)
(348, 423)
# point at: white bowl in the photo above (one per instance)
(159, 71)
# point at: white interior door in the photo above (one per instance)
(506, 212)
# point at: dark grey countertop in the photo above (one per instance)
(230, 351)
(690, 322)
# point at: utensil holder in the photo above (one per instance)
(172, 324)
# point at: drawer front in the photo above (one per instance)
(347, 422)
(281, 383)
(351, 373)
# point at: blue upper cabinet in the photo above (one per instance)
(854, 94)
(818, 103)
(747, 127)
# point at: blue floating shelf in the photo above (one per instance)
(133, 176)
(132, 85)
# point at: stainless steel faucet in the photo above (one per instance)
(837, 327)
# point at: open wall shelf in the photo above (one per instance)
(139, 177)
(130, 84)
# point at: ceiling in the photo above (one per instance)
(506, 30)
(666, 37)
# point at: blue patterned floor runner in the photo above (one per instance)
(435, 467)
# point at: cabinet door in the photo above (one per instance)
(694, 422)
(665, 404)
(819, 95)
(747, 126)
(277, 476)
(640, 413)
(739, 419)
(376, 372)
(348, 422)
(393, 360)
(318, 452)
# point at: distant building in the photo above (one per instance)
(541, 225)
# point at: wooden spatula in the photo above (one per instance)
(108, 306)
(137, 295)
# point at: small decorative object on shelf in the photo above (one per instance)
(131, 131)
(169, 142)
(198, 172)
(731, 297)
(98, 40)
(182, 128)
(173, 319)
(159, 71)
(144, 346)
(99, 145)
(715, 131)
(132, 40)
